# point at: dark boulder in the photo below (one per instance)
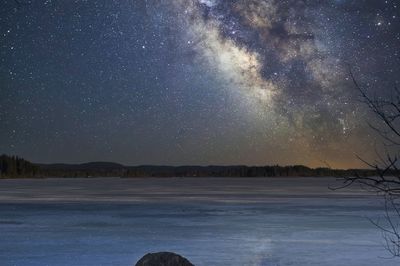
(163, 259)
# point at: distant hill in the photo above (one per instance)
(11, 166)
(83, 166)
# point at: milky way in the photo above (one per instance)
(194, 82)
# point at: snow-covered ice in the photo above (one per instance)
(211, 221)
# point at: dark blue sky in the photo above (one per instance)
(193, 82)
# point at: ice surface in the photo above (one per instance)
(211, 221)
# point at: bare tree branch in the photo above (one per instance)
(386, 182)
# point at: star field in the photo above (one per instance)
(194, 82)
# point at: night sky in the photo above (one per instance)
(179, 82)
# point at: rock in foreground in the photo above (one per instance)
(163, 259)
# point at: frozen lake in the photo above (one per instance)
(211, 221)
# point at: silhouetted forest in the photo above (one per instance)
(107, 170)
(13, 167)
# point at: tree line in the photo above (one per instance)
(14, 167)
